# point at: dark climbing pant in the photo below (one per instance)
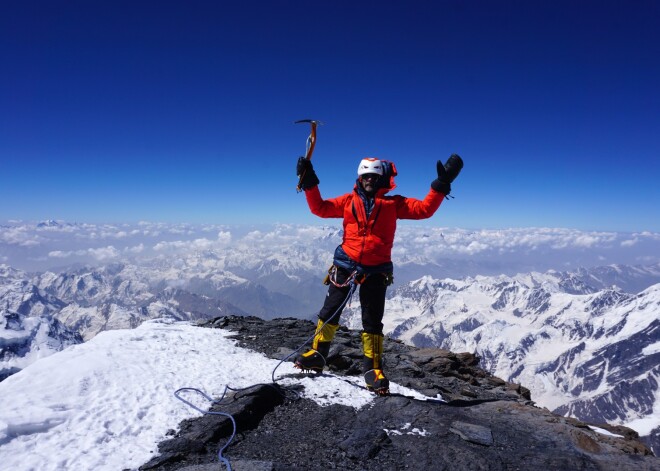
(372, 301)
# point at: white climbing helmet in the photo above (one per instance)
(370, 165)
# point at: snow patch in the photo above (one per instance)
(602, 431)
(407, 429)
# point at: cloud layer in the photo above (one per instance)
(44, 245)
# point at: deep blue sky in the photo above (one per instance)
(182, 111)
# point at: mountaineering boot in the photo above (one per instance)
(372, 364)
(376, 381)
(314, 359)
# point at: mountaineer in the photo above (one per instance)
(364, 257)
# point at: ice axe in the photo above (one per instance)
(311, 142)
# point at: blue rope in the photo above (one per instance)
(224, 460)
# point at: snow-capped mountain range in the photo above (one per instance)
(30, 330)
(585, 341)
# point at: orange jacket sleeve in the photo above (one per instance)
(332, 208)
(411, 208)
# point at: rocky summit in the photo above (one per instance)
(484, 422)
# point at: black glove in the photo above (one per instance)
(306, 174)
(447, 173)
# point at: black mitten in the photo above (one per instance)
(306, 174)
(447, 173)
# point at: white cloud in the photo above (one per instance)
(646, 235)
(174, 245)
(101, 253)
(476, 247)
(586, 241)
(470, 242)
(202, 244)
(135, 249)
(59, 254)
(182, 245)
(629, 242)
(19, 235)
(69, 253)
(104, 253)
(224, 237)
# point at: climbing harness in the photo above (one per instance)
(354, 277)
(311, 142)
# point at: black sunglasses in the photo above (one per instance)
(370, 176)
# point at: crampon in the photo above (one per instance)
(310, 362)
(308, 370)
(380, 391)
(377, 383)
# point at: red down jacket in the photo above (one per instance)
(369, 242)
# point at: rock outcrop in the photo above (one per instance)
(485, 423)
